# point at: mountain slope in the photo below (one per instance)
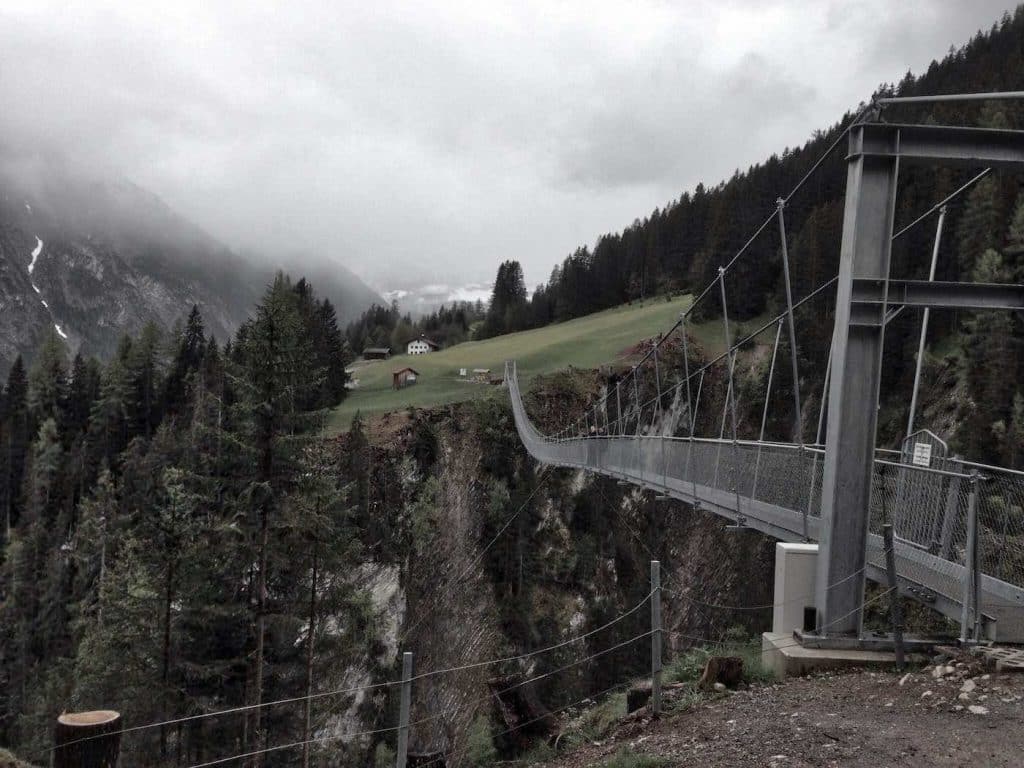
(108, 257)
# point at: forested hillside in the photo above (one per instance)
(680, 246)
(148, 502)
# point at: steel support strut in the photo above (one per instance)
(853, 389)
(863, 296)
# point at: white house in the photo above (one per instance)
(421, 346)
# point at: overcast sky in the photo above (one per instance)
(437, 139)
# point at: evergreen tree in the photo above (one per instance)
(276, 362)
(48, 379)
(17, 431)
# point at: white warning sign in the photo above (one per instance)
(922, 454)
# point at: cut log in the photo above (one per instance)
(87, 739)
(727, 670)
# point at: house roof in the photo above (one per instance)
(377, 350)
(403, 370)
(425, 340)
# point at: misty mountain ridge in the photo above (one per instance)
(96, 258)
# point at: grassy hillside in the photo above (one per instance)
(586, 342)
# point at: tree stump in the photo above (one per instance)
(87, 739)
(638, 696)
(727, 670)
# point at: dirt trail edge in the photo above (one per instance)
(945, 715)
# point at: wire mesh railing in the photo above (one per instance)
(777, 488)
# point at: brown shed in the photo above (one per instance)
(404, 377)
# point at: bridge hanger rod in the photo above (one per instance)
(799, 185)
(924, 323)
(693, 423)
(732, 402)
(765, 327)
(817, 440)
(689, 400)
(797, 431)
(700, 371)
(764, 412)
(942, 203)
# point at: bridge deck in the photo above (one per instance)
(775, 488)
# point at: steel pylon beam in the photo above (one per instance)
(863, 295)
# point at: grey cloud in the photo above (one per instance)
(434, 140)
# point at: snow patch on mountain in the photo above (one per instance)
(35, 255)
(60, 332)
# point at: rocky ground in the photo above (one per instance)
(953, 713)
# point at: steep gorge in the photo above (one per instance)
(508, 557)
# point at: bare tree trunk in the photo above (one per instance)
(261, 619)
(309, 662)
(246, 688)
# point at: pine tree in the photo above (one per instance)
(990, 345)
(187, 358)
(48, 379)
(276, 362)
(17, 431)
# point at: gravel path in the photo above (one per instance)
(959, 715)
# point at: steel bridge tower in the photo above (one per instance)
(866, 298)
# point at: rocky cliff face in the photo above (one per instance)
(95, 260)
(503, 557)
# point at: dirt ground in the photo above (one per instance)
(964, 717)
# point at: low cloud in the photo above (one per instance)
(429, 142)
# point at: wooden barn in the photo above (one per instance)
(404, 377)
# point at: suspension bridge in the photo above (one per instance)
(959, 526)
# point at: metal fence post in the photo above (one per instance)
(896, 610)
(655, 637)
(969, 616)
(403, 715)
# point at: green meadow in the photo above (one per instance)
(586, 342)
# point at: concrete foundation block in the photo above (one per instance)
(785, 657)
